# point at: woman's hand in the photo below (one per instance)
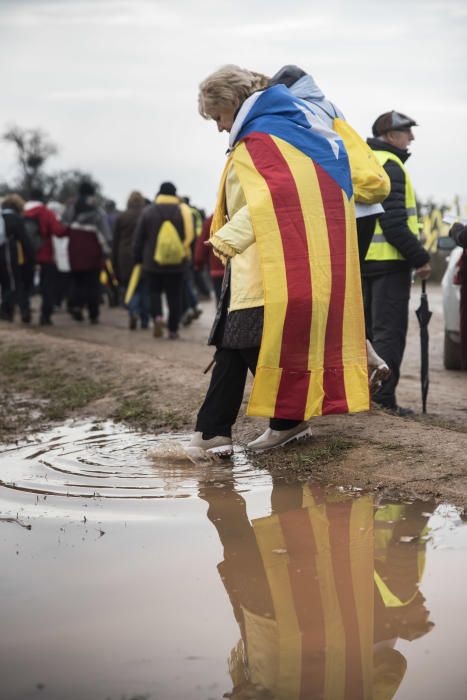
(221, 253)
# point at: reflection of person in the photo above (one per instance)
(394, 251)
(291, 241)
(301, 583)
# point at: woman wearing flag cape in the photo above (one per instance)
(291, 310)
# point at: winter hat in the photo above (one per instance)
(86, 189)
(168, 188)
(392, 121)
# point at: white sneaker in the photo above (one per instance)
(218, 445)
(271, 439)
(378, 370)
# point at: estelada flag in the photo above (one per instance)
(318, 561)
(295, 175)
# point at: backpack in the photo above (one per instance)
(33, 232)
(169, 247)
(370, 181)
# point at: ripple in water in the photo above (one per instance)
(108, 461)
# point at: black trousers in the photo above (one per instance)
(172, 285)
(48, 288)
(220, 408)
(386, 300)
(365, 230)
(85, 291)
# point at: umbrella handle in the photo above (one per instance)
(423, 286)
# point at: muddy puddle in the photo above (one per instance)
(129, 576)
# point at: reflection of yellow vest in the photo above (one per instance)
(385, 520)
(379, 248)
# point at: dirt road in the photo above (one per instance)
(108, 371)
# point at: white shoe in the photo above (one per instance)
(218, 445)
(378, 370)
(271, 439)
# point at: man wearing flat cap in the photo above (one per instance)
(394, 252)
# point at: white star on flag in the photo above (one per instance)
(318, 125)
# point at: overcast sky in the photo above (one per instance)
(114, 82)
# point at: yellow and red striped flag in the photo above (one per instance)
(296, 179)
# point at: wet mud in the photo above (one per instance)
(130, 570)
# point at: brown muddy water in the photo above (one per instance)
(128, 577)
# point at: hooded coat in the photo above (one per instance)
(89, 235)
(49, 226)
(125, 226)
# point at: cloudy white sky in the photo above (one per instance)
(114, 82)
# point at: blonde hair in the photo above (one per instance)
(15, 201)
(228, 87)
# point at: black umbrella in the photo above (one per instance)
(424, 314)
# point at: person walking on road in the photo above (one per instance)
(284, 171)
(122, 258)
(89, 245)
(161, 245)
(17, 259)
(458, 233)
(303, 85)
(41, 225)
(395, 250)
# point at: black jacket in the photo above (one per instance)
(147, 230)
(394, 220)
(16, 233)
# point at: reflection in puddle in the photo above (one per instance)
(284, 591)
(322, 589)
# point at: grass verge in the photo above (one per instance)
(139, 412)
(306, 456)
(26, 373)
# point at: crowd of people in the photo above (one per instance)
(310, 253)
(77, 254)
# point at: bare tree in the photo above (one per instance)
(33, 148)
(64, 184)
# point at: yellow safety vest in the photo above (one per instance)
(379, 248)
